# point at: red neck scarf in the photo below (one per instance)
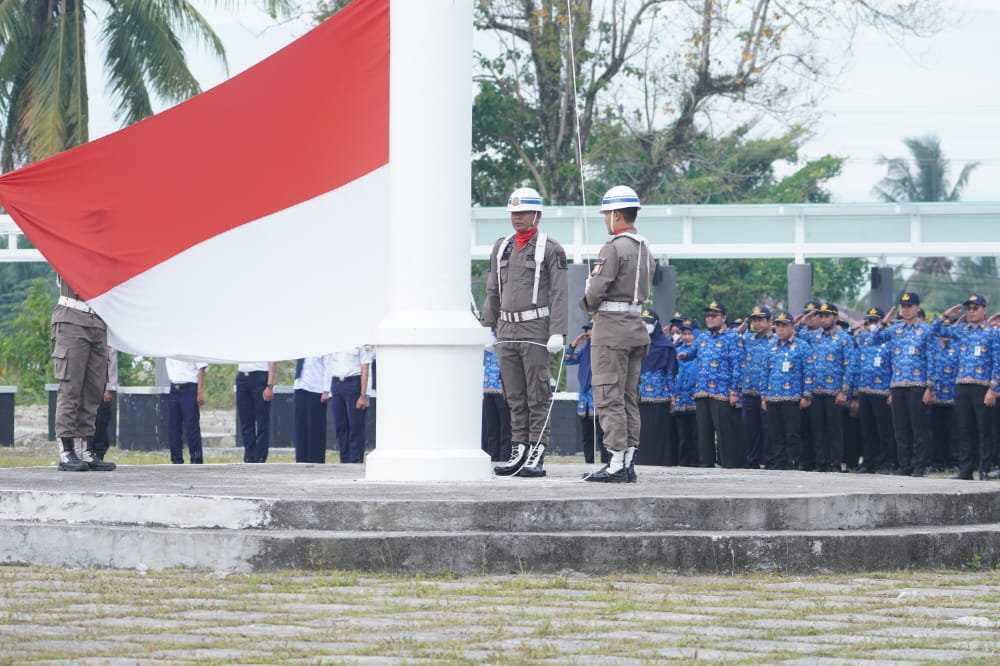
(621, 231)
(521, 238)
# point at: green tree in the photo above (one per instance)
(660, 71)
(44, 108)
(25, 350)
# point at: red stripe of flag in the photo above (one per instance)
(307, 120)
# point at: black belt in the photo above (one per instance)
(347, 379)
(182, 386)
(254, 372)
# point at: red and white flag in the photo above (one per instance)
(248, 223)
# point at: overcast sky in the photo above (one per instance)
(945, 85)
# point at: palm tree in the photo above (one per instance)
(925, 178)
(43, 75)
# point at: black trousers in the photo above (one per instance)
(102, 438)
(590, 429)
(911, 421)
(784, 423)
(808, 459)
(755, 427)
(310, 427)
(496, 427)
(975, 429)
(717, 419)
(850, 428)
(878, 442)
(654, 433)
(828, 437)
(254, 415)
(944, 433)
(687, 438)
(184, 414)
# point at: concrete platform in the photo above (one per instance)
(275, 516)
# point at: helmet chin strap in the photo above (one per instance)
(534, 220)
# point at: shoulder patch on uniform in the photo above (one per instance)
(507, 250)
(561, 260)
(597, 267)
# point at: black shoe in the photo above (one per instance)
(518, 454)
(864, 469)
(98, 465)
(68, 462)
(604, 476)
(885, 471)
(533, 463)
(904, 471)
(962, 477)
(917, 472)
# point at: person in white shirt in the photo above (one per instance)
(349, 400)
(187, 395)
(254, 392)
(312, 391)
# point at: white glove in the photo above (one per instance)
(489, 345)
(555, 344)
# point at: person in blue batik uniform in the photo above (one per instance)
(868, 377)
(683, 407)
(911, 351)
(757, 343)
(717, 395)
(833, 348)
(978, 346)
(578, 354)
(658, 369)
(788, 389)
(944, 428)
(496, 413)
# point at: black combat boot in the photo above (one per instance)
(533, 463)
(614, 472)
(68, 460)
(518, 454)
(630, 463)
(93, 461)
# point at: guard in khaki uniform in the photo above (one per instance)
(80, 357)
(616, 290)
(526, 305)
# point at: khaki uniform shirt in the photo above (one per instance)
(612, 278)
(515, 273)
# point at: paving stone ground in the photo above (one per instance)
(50, 615)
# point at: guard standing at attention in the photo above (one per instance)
(616, 290)
(80, 357)
(526, 306)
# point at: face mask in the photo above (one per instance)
(872, 327)
(676, 337)
(649, 328)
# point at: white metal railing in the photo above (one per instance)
(792, 231)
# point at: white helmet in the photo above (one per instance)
(619, 196)
(524, 198)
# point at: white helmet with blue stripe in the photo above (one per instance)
(619, 196)
(524, 198)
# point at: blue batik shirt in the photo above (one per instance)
(491, 373)
(756, 348)
(870, 369)
(911, 352)
(687, 377)
(791, 372)
(581, 357)
(978, 349)
(720, 364)
(946, 363)
(833, 354)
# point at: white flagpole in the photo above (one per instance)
(429, 346)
